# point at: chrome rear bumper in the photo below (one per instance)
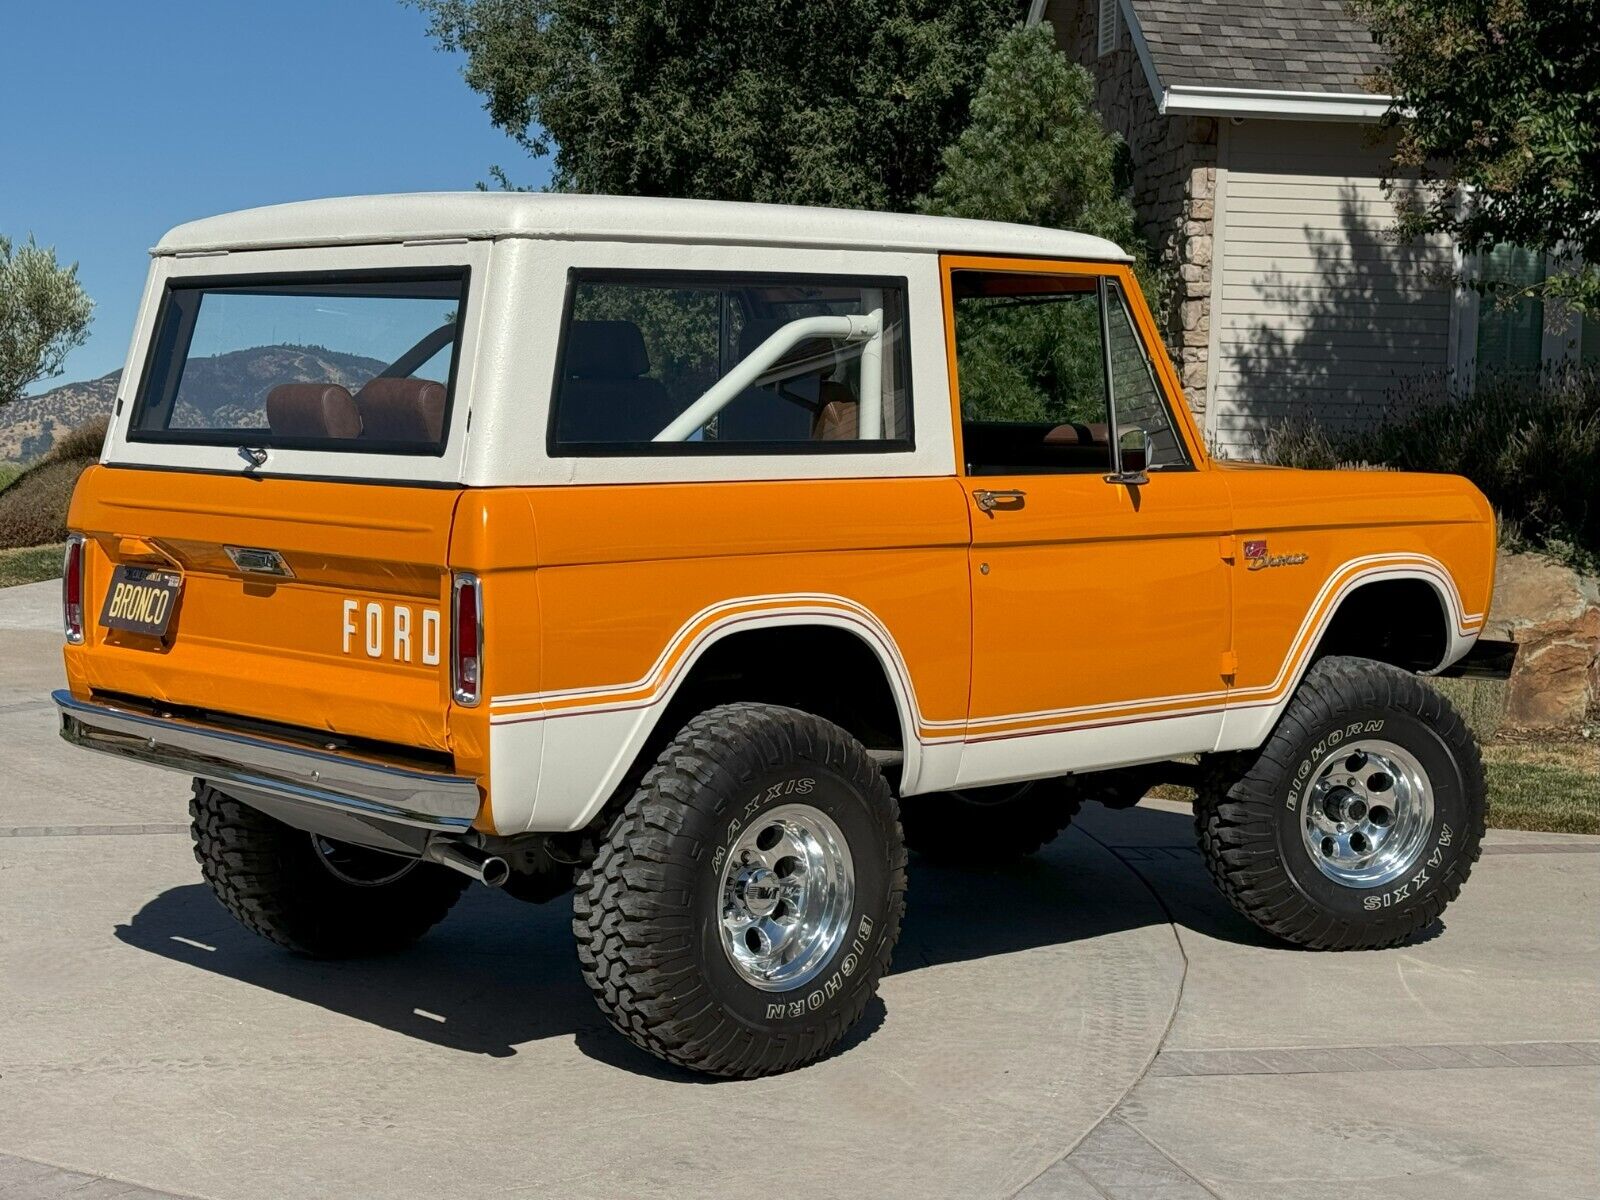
(365, 788)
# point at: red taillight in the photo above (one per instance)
(72, 590)
(466, 663)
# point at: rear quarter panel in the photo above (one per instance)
(633, 582)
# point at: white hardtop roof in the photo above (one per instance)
(431, 216)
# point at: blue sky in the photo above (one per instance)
(119, 120)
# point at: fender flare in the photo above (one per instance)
(629, 714)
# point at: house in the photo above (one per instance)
(1257, 167)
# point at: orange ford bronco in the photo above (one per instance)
(703, 558)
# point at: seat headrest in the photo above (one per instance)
(402, 410)
(606, 350)
(312, 410)
(838, 416)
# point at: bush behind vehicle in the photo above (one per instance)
(1532, 446)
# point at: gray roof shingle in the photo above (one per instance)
(1272, 45)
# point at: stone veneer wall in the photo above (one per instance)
(1174, 182)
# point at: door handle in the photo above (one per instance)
(1007, 500)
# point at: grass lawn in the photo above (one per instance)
(8, 472)
(1549, 786)
(30, 565)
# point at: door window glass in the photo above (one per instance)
(1031, 362)
(1140, 404)
(1031, 371)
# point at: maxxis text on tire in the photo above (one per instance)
(649, 912)
(1252, 828)
(267, 874)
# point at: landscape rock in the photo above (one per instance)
(1553, 614)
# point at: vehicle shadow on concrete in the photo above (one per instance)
(499, 973)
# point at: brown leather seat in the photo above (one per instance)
(402, 410)
(839, 418)
(312, 410)
(606, 392)
(1093, 434)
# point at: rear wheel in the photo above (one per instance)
(747, 899)
(989, 824)
(1359, 820)
(311, 894)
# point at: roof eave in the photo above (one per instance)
(1190, 99)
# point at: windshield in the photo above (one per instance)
(361, 365)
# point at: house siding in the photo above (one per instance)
(1318, 314)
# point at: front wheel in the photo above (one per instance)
(1361, 817)
(747, 900)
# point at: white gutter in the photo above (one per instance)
(1035, 12)
(1259, 102)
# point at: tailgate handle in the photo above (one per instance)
(254, 560)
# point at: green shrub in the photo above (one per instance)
(83, 442)
(33, 507)
(1532, 447)
(1303, 443)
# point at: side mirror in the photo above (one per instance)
(1133, 456)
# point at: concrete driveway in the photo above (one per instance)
(1094, 1023)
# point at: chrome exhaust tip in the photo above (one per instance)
(488, 869)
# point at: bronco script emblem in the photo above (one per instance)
(1257, 559)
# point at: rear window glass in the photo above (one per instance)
(700, 363)
(355, 364)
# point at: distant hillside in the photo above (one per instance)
(29, 427)
(212, 390)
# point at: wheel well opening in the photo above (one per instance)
(826, 671)
(822, 670)
(1397, 621)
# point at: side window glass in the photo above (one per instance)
(1030, 366)
(654, 363)
(1140, 403)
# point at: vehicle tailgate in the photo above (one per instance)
(325, 647)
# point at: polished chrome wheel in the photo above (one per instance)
(358, 865)
(1367, 814)
(787, 889)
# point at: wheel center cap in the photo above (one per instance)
(758, 890)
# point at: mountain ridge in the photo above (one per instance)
(212, 387)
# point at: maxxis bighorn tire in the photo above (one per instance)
(267, 874)
(989, 824)
(1254, 832)
(649, 911)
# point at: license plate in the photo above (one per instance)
(141, 600)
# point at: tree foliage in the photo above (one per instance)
(843, 102)
(1501, 97)
(1036, 152)
(44, 315)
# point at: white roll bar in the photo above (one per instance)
(866, 328)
